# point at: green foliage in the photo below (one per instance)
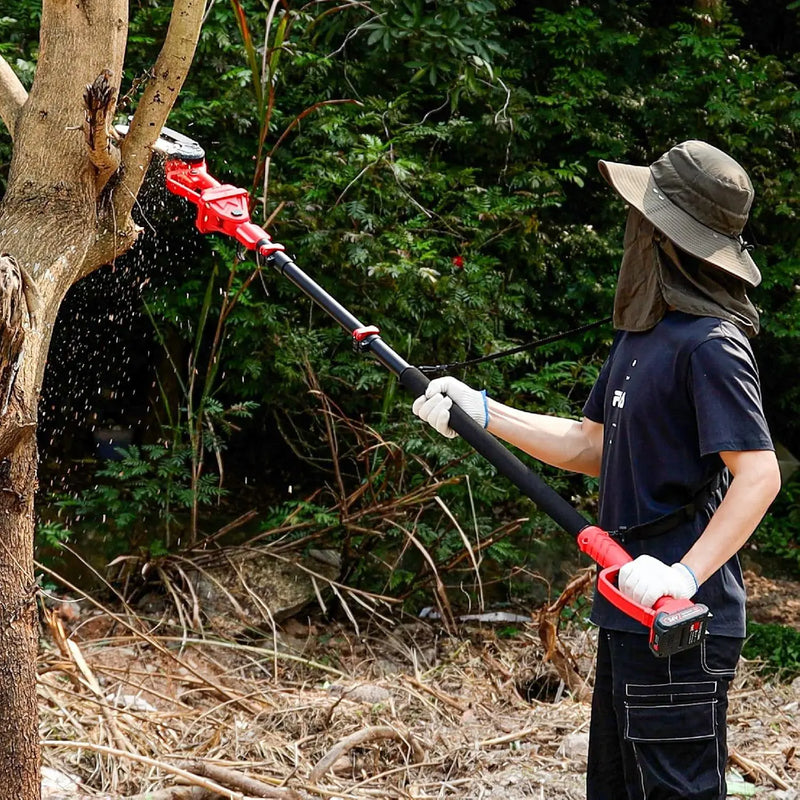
(139, 501)
(414, 217)
(300, 515)
(18, 43)
(440, 42)
(778, 646)
(449, 225)
(202, 424)
(52, 534)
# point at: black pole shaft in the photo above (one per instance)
(525, 479)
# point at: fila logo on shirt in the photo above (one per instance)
(618, 401)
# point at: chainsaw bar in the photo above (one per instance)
(172, 144)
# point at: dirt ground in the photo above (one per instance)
(374, 709)
(772, 600)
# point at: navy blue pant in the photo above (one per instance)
(658, 728)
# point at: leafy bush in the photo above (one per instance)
(778, 646)
(143, 500)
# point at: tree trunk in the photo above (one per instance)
(47, 220)
(61, 217)
(19, 748)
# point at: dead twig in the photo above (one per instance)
(510, 737)
(153, 641)
(243, 519)
(302, 717)
(173, 793)
(557, 653)
(176, 793)
(243, 783)
(73, 652)
(190, 777)
(362, 737)
(444, 698)
(448, 618)
(755, 770)
(263, 651)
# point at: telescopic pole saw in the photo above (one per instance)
(674, 625)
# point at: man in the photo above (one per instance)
(674, 427)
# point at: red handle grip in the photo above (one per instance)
(674, 624)
(607, 586)
(611, 555)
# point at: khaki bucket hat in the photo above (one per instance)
(699, 198)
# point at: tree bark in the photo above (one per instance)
(19, 749)
(59, 219)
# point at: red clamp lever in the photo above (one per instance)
(362, 336)
(674, 625)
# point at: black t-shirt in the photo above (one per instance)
(670, 400)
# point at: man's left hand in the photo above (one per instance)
(645, 579)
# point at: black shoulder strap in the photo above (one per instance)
(666, 522)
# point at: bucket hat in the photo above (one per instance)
(698, 197)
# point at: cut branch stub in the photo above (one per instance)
(100, 102)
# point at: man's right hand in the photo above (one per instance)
(434, 406)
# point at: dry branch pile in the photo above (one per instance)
(330, 713)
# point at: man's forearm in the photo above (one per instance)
(565, 443)
(755, 484)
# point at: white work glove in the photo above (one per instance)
(434, 406)
(645, 579)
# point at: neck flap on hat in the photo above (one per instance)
(656, 277)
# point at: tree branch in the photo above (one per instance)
(12, 96)
(159, 97)
(117, 230)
